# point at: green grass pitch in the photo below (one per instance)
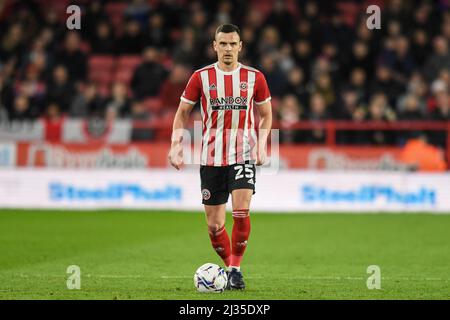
(154, 254)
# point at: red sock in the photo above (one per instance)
(221, 243)
(239, 237)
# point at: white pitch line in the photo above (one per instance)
(112, 276)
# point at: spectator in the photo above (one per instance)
(21, 109)
(358, 82)
(33, 88)
(303, 56)
(173, 87)
(380, 111)
(290, 112)
(38, 59)
(394, 11)
(60, 89)
(318, 112)
(139, 113)
(185, 52)
(73, 58)
(286, 62)
(12, 43)
(410, 111)
(441, 113)
(156, 34)
(249, 50)
(359, 58)
(132, 41)
(87, 102)
(417, 87)
(422, 18)
(53, 123)
(296, 85)
(147, 78)
(439, 60)
(139, 11)
(103, 42)
(274, 76)
(401, 61)
(420, 47)
(350, 108)
(6, 89)
(282, 19)
(269, 41)
(324, 87)
(384, 82)
(438, 88)
(95, 14)
(422, 156)
(119, 103)
(53, 23)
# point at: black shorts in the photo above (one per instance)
(218, 182)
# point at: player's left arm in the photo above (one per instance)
(265, 125)
(264, 106)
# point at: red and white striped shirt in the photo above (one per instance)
(227, 99)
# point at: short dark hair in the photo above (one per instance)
(228, 28)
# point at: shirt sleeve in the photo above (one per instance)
(262, 93)
(192, 92)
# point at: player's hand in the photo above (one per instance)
(176, 155)
(261, 157)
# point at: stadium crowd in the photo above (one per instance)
(132, 59)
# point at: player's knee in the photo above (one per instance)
(241, 200)
(214, 228)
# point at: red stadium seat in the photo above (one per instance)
(101, 77)
(128, 62)
(103, 62)
(101, 69)
(125, 67)
(153, 105)
(116, 8)
(123, 75)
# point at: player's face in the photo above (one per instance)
(227, 46)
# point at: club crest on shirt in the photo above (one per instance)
(212, 86)
(243, 86)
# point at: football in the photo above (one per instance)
(210, 278)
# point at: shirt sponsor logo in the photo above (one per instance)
(228, 103)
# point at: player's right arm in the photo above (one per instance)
(190, 96)
(179, 123)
